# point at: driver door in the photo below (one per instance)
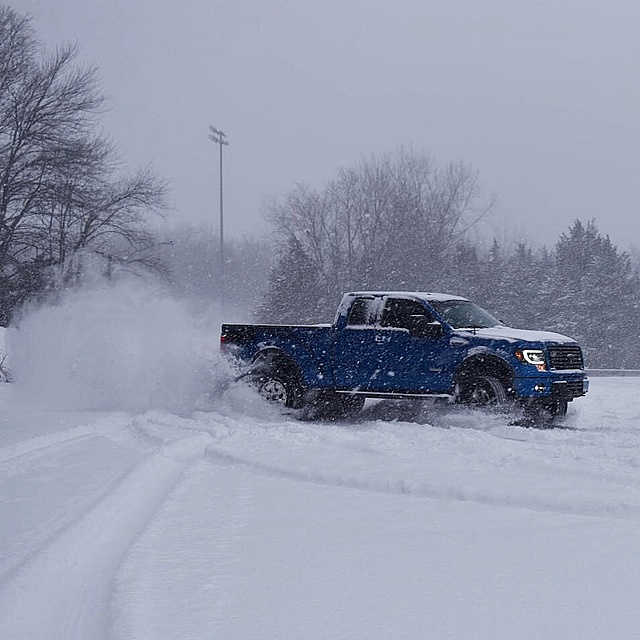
(412, 359)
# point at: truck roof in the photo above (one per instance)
(424, 295)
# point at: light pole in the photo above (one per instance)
(220, 138)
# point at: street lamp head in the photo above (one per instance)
(218, 134)
(217, 139)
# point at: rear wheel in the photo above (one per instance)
(276, 389)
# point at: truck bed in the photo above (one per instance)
(309, 345)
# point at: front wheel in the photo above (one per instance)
(559, 408)
(483, 391)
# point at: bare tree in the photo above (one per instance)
(391, 221)
(17, 44)
(61, 190)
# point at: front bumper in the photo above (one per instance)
(568, 390)
(564, 388)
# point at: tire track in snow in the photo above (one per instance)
(40, 536)
(63, 592)
(591, 507)
(119, 429)
(42, 443)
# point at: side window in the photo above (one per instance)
(362, 312)
(398, 312)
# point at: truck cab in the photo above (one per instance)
(410, 343)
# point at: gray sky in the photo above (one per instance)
(541, 97)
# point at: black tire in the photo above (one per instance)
(485, 392)
(559, 408)
(276, 389)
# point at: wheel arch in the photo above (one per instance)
(484, 364)
(275, 360)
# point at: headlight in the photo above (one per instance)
(532, 356)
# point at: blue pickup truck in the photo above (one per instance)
(409, 346)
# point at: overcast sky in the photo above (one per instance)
(541, 97)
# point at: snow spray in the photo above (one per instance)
(125, 345)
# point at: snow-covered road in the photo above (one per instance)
(244, 525)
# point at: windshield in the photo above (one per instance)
(461, 314)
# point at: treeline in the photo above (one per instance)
(71, 212)
(402, 222)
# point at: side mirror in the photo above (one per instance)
(422, 327)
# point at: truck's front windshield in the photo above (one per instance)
(462, 314)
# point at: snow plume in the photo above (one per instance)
(125, 346)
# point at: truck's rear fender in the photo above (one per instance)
(307, 346)
(307, 351)
(484, 364)
(272, 360)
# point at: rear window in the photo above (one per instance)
(362, 312)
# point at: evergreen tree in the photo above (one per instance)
(462, 271)
(597, 297)
(489, 283)
(294, 294)
(520, 285)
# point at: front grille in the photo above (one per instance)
(565, 357)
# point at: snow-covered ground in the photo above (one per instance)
(132, 507)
